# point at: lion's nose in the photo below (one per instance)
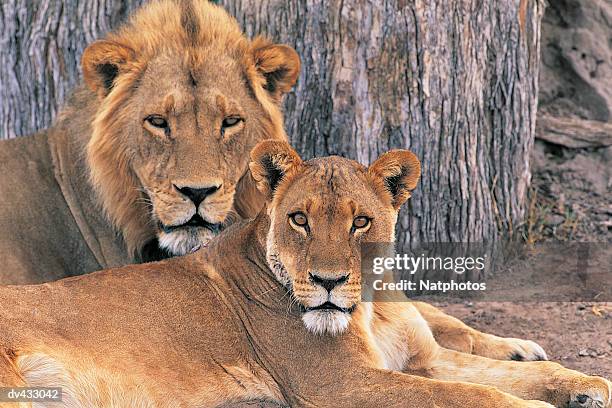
(197, 195)
(328, 283)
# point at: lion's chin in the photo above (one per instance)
(185, 240)
(326, 322)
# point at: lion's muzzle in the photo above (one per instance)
(197, 195)
(195, 222)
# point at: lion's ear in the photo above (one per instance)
(396, 173)
(279, 65)
(102, 62)
(271, 161)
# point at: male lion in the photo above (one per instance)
(269, 311)
(152, 150)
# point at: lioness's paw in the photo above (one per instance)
(597, 394)
(585, 401)
(525, 350)
(508, 348)
(588, 392)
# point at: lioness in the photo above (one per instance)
(270, 311)
(155, 147)
(152, 149)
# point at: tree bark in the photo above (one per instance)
(455, 81)
(41, 43)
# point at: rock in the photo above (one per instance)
(575, 73)
(590, 352)
(607, 154)
(538, 155)
(593, 173)
(553, 220)
(573, 133)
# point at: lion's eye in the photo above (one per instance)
(231, 121)
(299, 219)
(361, 222)
(157, 121)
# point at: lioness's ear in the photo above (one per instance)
(271, 161)
(397, 173)
(102, 62)
(279, 64)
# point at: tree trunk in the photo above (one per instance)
(453, 80)
(41, 43)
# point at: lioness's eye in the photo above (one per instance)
(361, 222)
(231, 121)
(157, 121)
(299, 219)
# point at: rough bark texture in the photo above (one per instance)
(454, 81)
(41, 43)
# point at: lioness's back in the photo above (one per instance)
(172, 300)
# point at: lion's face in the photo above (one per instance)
(184, 98)
(191, 136)
(320, 213)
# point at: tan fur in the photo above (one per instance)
(161, 30)
(193, 39)
(133, 176)
(209, 328)
(453, 334)
(111, 179)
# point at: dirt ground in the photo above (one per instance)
(571, 196)
(572, 201)
(577, 335)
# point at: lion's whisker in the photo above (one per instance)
(268, 291)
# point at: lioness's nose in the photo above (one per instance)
(328, 283)
(197, 195)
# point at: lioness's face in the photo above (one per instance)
(317, 226)
(321, 212)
